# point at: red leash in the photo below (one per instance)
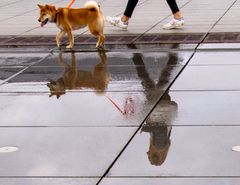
(115, 105)
(129, 107)
(70, 4)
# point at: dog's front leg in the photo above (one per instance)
(59, 37)
(71, 39)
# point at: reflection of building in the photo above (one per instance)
(73, 79)
(158, 124)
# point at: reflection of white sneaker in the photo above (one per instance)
(174, 23)
(116, 21)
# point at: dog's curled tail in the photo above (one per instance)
(92, 5)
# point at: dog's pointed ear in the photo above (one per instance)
(53, 8)
(40, 6)
(51, 81)
(47, 7)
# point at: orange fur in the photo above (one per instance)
(71, 19)
(74, 78)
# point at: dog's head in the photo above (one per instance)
(56, 87)
(47, 13)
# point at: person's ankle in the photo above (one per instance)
(124, 19)
(178, 16)
(179, 19)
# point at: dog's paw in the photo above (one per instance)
(100, 47)
(69, 47)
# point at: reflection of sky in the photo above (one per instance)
(78, 105)
(71, 109)
(121, 68)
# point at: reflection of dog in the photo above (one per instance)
(77, 79)
(158, 124)
(68, 20)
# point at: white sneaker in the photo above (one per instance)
(174, 23)
(116, 21)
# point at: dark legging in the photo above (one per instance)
(132, 4)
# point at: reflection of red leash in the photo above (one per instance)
(129, 107)
(115, 105)
(70, 4)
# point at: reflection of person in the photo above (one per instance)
(158, 124)
(151, 89)
(73, 78)
(122, 22)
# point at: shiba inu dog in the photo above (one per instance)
(71, 19)
(73, 78)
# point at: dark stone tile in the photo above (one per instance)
(195, 38)
(15, 40)
(128, 39)
(91, 40)
(214, 37)
(61, 152)
(231, 37)
(79, 40)
(45, 39)
(147, 38)
(4, 39)
(180, 151)
(112, 38)
(224, 37)
(179, 37)
(171, 38)
(163, 37)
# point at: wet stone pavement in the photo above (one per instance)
(124, 116)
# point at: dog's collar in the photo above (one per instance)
(55, 18)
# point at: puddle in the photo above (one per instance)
(120, 88)
(74, 79)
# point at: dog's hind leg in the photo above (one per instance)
(101, 39)
(100, 36)
(96, 29)
(59, 37)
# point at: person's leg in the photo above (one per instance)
(122, 21)
(129, 10)
(175, 10)
(177, 21)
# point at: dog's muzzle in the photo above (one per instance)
(43, 22)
